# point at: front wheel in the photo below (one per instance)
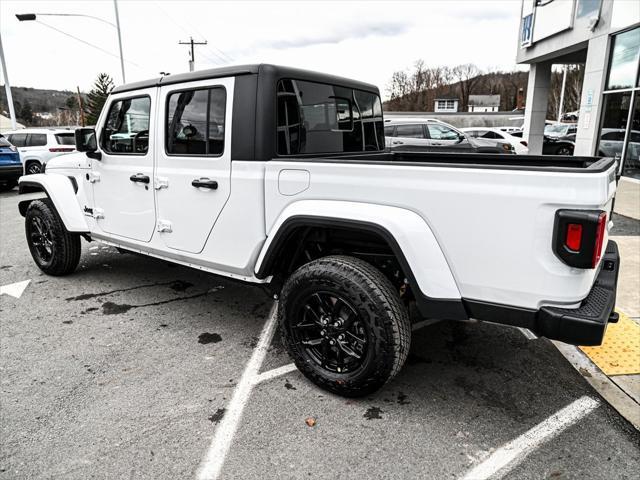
(344, 325)
(55, 250)
(564, 150)
(33, 168)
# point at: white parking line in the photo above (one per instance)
(528, 334)
(211, 465)
(509, 455)
(14, 289)
(276, 372)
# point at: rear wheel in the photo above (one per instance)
(55, 250)
(344, 325)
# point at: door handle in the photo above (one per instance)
(205, 183)
(398, 143)
(139, 178)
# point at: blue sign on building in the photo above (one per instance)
(527, 31)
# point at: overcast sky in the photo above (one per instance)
(366, 40)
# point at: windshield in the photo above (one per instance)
(556, 130)
(66, 138)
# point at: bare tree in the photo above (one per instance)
(467, 76)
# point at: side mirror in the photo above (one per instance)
(461, 137)
(86, 142)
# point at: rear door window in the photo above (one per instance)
(410, 131)
(320, 118)
(195, 122)
(36, 140)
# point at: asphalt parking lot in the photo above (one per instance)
(127, 368)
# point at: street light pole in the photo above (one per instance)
(25, 17)
(7, 87)
(115, 6)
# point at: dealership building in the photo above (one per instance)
(604, 35)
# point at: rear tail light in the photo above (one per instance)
(524, 142)
(61, 149)
(574, 237)
(578, 237)
(600, 229)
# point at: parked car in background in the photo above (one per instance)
(559, 130)
(509, 129)
(519, 145)
(435, 136)
(38, 145)
(10, 165)
(555, 145)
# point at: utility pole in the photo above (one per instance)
(7, 87)
(192, 60)
(115, 6)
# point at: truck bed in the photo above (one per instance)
(549, 163)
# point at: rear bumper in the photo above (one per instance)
(10, 172)
(584, 325)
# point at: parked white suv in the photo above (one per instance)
(279, 176)
(38, 145)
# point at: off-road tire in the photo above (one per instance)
(377, 303)
(65, 246)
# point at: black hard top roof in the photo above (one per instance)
(273, 71)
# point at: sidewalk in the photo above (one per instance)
(619, 352)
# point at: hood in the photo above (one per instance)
(70, 160)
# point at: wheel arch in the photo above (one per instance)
(61, 190)
(405, 233)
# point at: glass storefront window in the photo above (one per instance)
(625, 56)
(587, 8)
(614, 124)
(631, 166)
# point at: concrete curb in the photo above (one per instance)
(609, 390)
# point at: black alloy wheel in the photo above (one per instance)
(33, 168)
(41, 238)
(331, 332)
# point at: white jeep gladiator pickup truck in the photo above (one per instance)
(280, 176)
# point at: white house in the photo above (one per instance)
(446, 104)
(484, 103)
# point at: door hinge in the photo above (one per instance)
(98, 213)
(161, 182)
(164, 226)
(93, 177)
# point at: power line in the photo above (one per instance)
(86, 43)
(211, 47)
(177, 24)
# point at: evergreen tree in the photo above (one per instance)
(26, 113)
(97, 96)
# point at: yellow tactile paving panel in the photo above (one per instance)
(619, 353)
